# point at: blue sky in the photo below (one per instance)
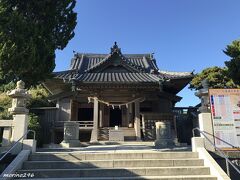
(185, 35)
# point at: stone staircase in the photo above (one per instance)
(129, 134)
(117, 165)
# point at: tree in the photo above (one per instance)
(5, 103)
(216, 76)
(233, 51)
(30, 32)
(39, 97)
(34, 124)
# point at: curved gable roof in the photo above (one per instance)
(116, 67)
(135, 62)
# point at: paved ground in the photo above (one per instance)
(115, 148)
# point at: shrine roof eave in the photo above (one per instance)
(176, 75)
(110, 77)
(117, 85)
(176, 85)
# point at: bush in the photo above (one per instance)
(39, 97)
(34, 124)
(7, 87)
(5, 103)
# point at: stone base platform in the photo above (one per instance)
(70, 143)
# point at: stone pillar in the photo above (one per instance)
(197, 142)
(163, 134)
(137, 120)
(94, 135)
(7, 134)
(20, 123)
(205, 124)
(71, 134)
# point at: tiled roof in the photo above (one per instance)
(175, 75)
(85, 62)
(140, 68)
(109, 77)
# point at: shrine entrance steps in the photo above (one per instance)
(128, 164)
(129, 133)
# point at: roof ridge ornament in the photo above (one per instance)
(152, 55)
(115, 48)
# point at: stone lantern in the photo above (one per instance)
(20, 117)
(204, 117)
(19, 98)
(203, 95)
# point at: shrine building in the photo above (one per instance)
(101, 93)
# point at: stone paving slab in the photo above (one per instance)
(114, 148)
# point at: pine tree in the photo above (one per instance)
(30, 32)
(233, 51)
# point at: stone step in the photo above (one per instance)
(186, 177)
(110, 156)
(112, 163)
(129, 134)
(118, 172)
(130, 138)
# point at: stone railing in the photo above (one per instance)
(7, 132)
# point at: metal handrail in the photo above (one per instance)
(238, 149)
(219, 150)
(14, 145)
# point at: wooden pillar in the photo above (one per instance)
(58, 110)
(94, 135)
(74, 110)
(128, 115)
(105, 116)
(101, 115)
(137, 120)
(130, 107)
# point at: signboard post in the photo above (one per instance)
(225, 111)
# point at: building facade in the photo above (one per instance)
(102, 91)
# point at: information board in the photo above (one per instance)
(225, 110)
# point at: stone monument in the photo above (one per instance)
(163, 135)
(71, 135)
